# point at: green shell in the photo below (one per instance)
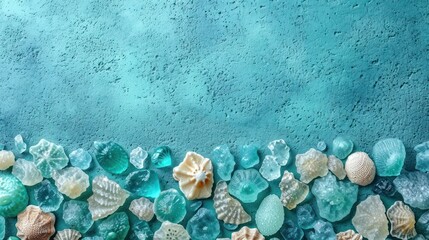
(115, 227)
(111, 156)
(13, 195)
(48, 157)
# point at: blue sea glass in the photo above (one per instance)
(290, 231)
(143, 183)
(246, 185)
(13, 195)
(195, 206)
(223, 161)
(20, 145)
(47, 196)
(342, 147)
(161, 157)
(422, 157)
(80, 158)
(48, 157)
(322, 231)
(77, 215)
(230, 227)
(384, 187)
(114, 227)
(170, 206)
(414, 188)
(203, 225)
(2, 227)
(422, 225)
(249, 156)
(111, 157)
(306, 216)
(141, 231)
(389, 156)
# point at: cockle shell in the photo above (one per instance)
(349, 235)
(246, 233)
(142, 208)
(68, 234)
(171, 231)
(7, 159)
(34, 224)
(228, 209)
(402, 221)
(311, 164)
(195, 176)
(336, 166)
(71, 181)
(360, 168)
(293, 191)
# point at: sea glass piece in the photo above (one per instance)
(249, 156)
(360, 168)
(349, 235)
(422, 157)
(2, 146)
(138, 158)
(389, 156)
(171, 231)
(111, 157)
(334, 198)
(2, 227)
(230, 227)
(47, 196)
(142, 208)
(228, 209)
(342, 147)
(270, 215)
(141, 231)
(306, 216)
(77, 216)
(280, 150)
(13, 195)
(161, 157)
(80, 158)
(170, 206)
(195, 206)
(247, 233)
(223, 161)
(270, 169)
(402, 221)
(68, 234)
(48, 157)
(246, 185)
(414, 187)
(336, 166)
(321, 146)
(27, 172)
(114, 227)
(34, 224)
(203, 225)
(143, 183)
(384, 187)
(20, 145)
(7, 159)
(107, 197)
(370, 219)
(71, 181)
(419, 237)
(293, 191)
(422, 225)
(322, 231)
(290, 231)
(311, 164)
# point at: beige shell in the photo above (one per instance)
(402, 221)
(68, 234)
(360, 168)
(171, 231)
(142, 208)
(195, 176)
(7, 159)
(293, 191)
(228, 209)
(311, 164)
(336, 166)
(34, 224)
(349, 235)
(246, 233)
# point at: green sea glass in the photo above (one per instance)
(389, 156)
(270, 215)
(13, 195)
(246, 185)
(161, 157)
(143, 183)
(47, 196)
(342, 147)
(2, 227)
(170, 206)
(249, 156)
(111, 156)
(114, 227)
(203, 225)
(77, 215)
(48, 157)
(223, 161)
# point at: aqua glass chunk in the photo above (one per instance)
(77, 215)
(20, 145)
(13, 195)
(419, 237)
(230, 227)
(246, 185)
(47, 196)
(270, 169)
(138, 158)
(306, 216)
(280, 151)
(161, 157)
(422, 225)
(143, 183)
(195, 206)
(27, 172)
(322, 231)
(342, 147)
(111, 156)
(422, 157)
(48, 157)
(114, 227)
(384, 187)
(12, 238)
(249, 156)
(170, 206)
(414, 188)
(389, 156)
(203, 225)
(2, 227)
(223, 161)
(141, 231)
(2, 146)
(321, 146)
(290, 231)
(269, 217)
(80, 158)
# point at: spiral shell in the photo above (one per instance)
(227, 208)
(13, 195)
(7, 159)
(293, 191)
(34, 224)
(360, 168)
(142, 208)
(402, 221)
(171, 231)
(349, 235)
(68, 234)
(246, 233)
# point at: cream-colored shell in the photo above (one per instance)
(142, 208)
(293, 191)
(402, 221)
(349, 235)
(68, 234)
(247, 233)
(195, 176)
(360, 168)
(7, 159)
(34, 224)
(71, 181)
(228, 209)
(171, 231)
(336, 166)
(311, 164)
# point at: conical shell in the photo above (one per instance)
(68, 234)
(142, 208)
(360, 168)
(293, 191)
(402, 221)
(349, 235)
(246, 233)
(171, 231)
(34, 224)
(228, 209)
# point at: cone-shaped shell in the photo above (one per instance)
(311, 164)
(402, 221)
(142, 208)
(246, 233)
(349, 235)
(293, 191)
(228, 209)
(195, 176)
(34, 224)
(68, 234)
(171, 231)
(360, 168)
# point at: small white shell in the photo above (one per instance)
(336, 166)
(349, 235)
(68, 234)
(142, 208)
(7, 159)
(171, 231)
(293, 191)
(360, 168)
(402, 221)
(228, 209)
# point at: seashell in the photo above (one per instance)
(228, 209)
(68, 234)
(389, 156)
(336, 166)
(7, 159)
(71, 181)
(293, 191)
(142, 208)
(311, 164)
(171, 231)
(370, 219)
(247, 233)
(107, 197)
(13, 195)
(349, 235)
(247, 184)
(34, 224)
(111, 157)
(27, 172)
(195, 176)
(402, 221)
(360, 168)
(48, 157)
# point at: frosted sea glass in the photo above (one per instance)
(203, 225)
(2, 227)
(249, 156)
(48, 157)
(161, 157)
(77, 216)
(71, 181)
(114, 227)
(138, 158)
(27, 172)
(111, 156)
(143, 183)
(223, 161)
(20, 145)
(246, 185)
(270, 215)
(170, 206)
(280, 151)
(48, 197)
(270, 169)
(141, 231)
(290, 231)
(322, 231)
(370, 219)
(422, 225)
(342, 147)
(80, 158)
(422, 157)
(414, 188)
(306, 216)
(389, 156)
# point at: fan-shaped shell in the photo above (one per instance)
(402, 221)
(7, 159)
(142, 208)
(246, 233)
(311, 164)
(111, 156)
(195, 176)
(71, 181)
(34, 224)
(228, 209)
(360, 168)
(107, 197)
(171, 231)
(293, 191)
(389, 156)
(13, 195)
(68, 234)
(349, 235)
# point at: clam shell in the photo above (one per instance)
(68, 234)
(171, 231)
(293, 191)
(402, 221)
(34, 224)
(349, 235)
(142, 208)
(228, 209)
(360, 168)
(246, 233)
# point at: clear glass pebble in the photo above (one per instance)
(114, 227)
(270, 169)
(27, 172)
(77, 216)
(20, 145)
(80, 158)
(161, 157)
(138, 158)
(249, 156)
(321, 146)
(280, 151)
(143, 183)
(223, 161)
(48, 197)
(203, 225)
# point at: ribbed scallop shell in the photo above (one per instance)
(311, 164)
(111, 156)
(195, 176)
(228, 209)
(402, 221)
(360, 168)
(246, 233)
(68, 234)
(107, 197)
(34, 224)
(13, 195)
(293, 191)
(171, 231)
(142, 208)
(349, 235)
(7, 159)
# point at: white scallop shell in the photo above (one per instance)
(311, 164)
(227, 208)
(142, 208)
(71, 181)
(360, 168)
(171, 231)
(402, 221)
(293, 191)
(68, 234)
(349, 235)
(7, 159)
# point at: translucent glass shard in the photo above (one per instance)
(290, 231)
(360, 168)
(293, 191)
(306, 216)
(20, 145)
(77, 216)
(246, 185)
(311, 165)
(223, 161)
(321, 146)
(342, 147)
(270, 169)
(322, 231)
(13, 195)
(336, 166)
(143, 183)
(389, 156)
(27, 172)
(48, 157)
(142, 208)
(138, 158)
(2, 227)
(270, 215)
(171, 231)
(141, 231)
(370, 219)
(111, 156)
(422, 225)
(71, 181)
(114, 227)
(170, 206)
(80, 158)
(161, 157)
(280, 151)
(228, 209)
(203, 225)
(402, 221)
(249, 156)
(47, 196)
(414, 188)
(422, 157)
(7, 159)
(33, 223)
